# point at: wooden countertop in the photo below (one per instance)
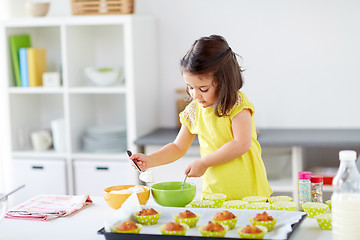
(274, 137)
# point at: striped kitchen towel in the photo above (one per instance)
(47, 207)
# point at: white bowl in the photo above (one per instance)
(103, 76)
(37, 9)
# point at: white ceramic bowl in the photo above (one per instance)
(102, 77)
(37, 9)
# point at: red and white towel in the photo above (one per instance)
(47, 207)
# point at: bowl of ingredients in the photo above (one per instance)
(102, 76)
(37, 9)
(170, 194)
(115, 196)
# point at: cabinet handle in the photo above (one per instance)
(102, 168)
(37, 167)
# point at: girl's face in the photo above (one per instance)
(201, 88)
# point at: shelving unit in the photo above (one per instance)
(73, 43)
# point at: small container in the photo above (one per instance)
(317, 188)
(304, 188)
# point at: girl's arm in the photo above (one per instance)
(167, 154)
(242, 132)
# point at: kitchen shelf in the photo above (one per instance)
(73, 43)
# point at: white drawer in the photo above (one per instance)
(46, 176)
(92, 176)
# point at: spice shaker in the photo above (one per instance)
(317, 188)
(304, 188)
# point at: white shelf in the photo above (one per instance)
(73, 43)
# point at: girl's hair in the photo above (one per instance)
(212, 55)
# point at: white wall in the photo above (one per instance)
(301, 56)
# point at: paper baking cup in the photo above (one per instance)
(235, 204)
(283, 206)
(253, 235)
(268, 224)
(217, 198)
(324, 221)
(279, 198)
(136, 231)
(252, 199)
(191, 222)
(328, 202)
(213, 234)
(202, 204)
(148, 220)
(179, 233)
(313, 209)
(259, 206)
(230, 223)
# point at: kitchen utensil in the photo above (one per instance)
(15, 190)
(129, 153)
(145, 176)
(169, 194)
(182, 185)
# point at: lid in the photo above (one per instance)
(347, 155)
(317, 179)
(304, 175)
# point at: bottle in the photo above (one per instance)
(304, 188)
(345, 200)
(317, 182)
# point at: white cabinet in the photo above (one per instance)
(73, 43)
(91, 177)
(46, 176)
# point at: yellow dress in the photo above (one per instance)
(241, 177)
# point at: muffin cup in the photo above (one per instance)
(202, 204)
(217, 198)
(136, 231)
(252, 199)
(328, 202)
(268, 224)
(179, 233)
(283, 206)
(230, 222)
(213, 234)
(148, 220)
(279, 198)
(235, 204)
(324, 221)
(253, 235)
(191, 222)
(259, 206)
(313, 209)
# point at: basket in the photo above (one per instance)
(102, 7)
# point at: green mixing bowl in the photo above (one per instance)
(168, 194)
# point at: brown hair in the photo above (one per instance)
(212, 55)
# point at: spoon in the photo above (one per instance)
(129, 153)
(16, 189)
(182, 185)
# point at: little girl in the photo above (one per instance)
(223, 118)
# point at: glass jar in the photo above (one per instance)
(304, 188)
(317, 182)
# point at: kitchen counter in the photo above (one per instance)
(85, 224)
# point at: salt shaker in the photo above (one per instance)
(304, 188)
(317, 188)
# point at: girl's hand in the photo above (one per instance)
(196, 169)
(142, 160)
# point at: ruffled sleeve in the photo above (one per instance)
(188, 116)
(242, 103)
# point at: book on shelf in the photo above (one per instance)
(36, 58)
(24, 74)
(17, 42)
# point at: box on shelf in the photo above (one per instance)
(100, 7)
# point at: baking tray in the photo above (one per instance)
(292, 219)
